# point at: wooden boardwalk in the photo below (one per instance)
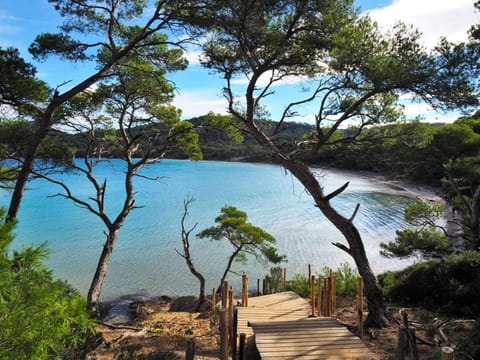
(282, 329)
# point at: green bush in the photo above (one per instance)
(299, 284)
(346, 281)
(275, 279)
(451, 285)
(40, 317)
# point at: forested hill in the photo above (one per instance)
(413, 150)
(216, 144)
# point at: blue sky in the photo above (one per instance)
(200, 92)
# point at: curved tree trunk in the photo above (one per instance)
(376, 307)
(24, 173)
(227, 269)
(93, 297)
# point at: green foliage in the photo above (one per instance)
(275, 279)
(245, 238)
(345, 275)
(299, 284)
(226, 123)
(346, 280)
(420, 212)
(18, 83)
(451, 285)
(426, 243)
(42, 318)
(188, 140)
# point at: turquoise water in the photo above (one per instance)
(144, 259)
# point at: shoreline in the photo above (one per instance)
(400, 187)
(405, 187)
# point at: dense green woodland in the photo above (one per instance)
(123, 109)
(415, 150)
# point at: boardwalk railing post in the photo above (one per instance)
(190, 349)
(223, 334)
(224, 294)
(231, 323)
(327, 296)
(360, 306)
(241, 350)
(284, 279)
(334, 293)
(319, 296)
(214, 302)
(244, 291)
(312, 294)
(447, 353)
(234, 333)
(258, 287)
(324, 297)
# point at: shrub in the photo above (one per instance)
(40, 317)
(346, 281)
(299, 284)
(275, 279)
(451, 285)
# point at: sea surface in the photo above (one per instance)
(145, 260)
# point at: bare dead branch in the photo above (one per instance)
(354, 212)
(342, 247)
(337, 192)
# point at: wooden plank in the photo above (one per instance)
(283, 330)
(304, 338)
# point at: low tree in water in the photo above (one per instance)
(245, 238)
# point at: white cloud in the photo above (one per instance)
(195, 103)
(426, 113)
(434, 18)
(193, 56)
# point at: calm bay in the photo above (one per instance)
(145, 260)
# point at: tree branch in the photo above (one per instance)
(342, 247)
(354, 212)
(337, 192)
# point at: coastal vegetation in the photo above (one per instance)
(267, 42)
(357, 75)
(42, 318)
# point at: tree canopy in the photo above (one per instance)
(245, 238)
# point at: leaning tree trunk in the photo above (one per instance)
(24, 173)
(376, 307)
(93, 297)
(227, 269)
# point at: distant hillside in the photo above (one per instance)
(215, 143)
